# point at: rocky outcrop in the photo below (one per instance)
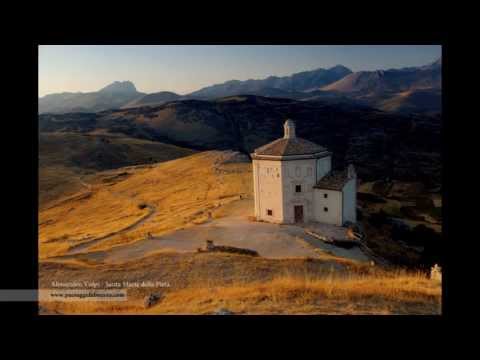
(223, 311)
(151, 300)
(210, 247)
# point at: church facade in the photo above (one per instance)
(294, 183)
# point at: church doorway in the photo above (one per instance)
(298, 210)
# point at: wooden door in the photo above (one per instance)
(298, 209)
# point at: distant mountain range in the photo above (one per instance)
(115, 95)
(299, 82)
(412, 89)
(153, 99)
(368, 83)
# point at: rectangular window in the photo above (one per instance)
(325, 196)
(298, 188)
(325, 209)
(269, 212)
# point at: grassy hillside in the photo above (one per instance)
(65, 157)
(126, 205)
(154, 198)
(203, 283)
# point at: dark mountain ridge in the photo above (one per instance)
(380, 144)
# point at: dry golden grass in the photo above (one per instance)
(203, 283)
(64, 157)
(182, 192)
(74, 222)
(57, 181)
(293, 295)
(403, 294)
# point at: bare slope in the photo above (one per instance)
(407, 90)
(414, 101)
(153, 99)
(173, 195)
(393, 80)
(65, 157)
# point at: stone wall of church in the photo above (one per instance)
(280, 186)
(298, 173)
(268, 190)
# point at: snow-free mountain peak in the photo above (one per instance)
(120, 87)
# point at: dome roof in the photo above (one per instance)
(289, 146)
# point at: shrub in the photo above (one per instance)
(378, 219)
(425, 203)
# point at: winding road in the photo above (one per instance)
(76, 249)
(79, 248)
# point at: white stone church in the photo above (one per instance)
(294, 183)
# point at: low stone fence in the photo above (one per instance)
(210, 247)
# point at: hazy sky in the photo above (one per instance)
(183, 68)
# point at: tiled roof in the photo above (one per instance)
(334, 180)
(289, 146)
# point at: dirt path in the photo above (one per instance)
(84, 184)
(75, 196)
(76, 249)
(80, 248)
(269, 240)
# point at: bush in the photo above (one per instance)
(359, 215)
(378, 219)
(425, 203)
(370, 198)
(436, 213)
(411, 213)
(382, 187)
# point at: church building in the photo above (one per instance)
(294, 183)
